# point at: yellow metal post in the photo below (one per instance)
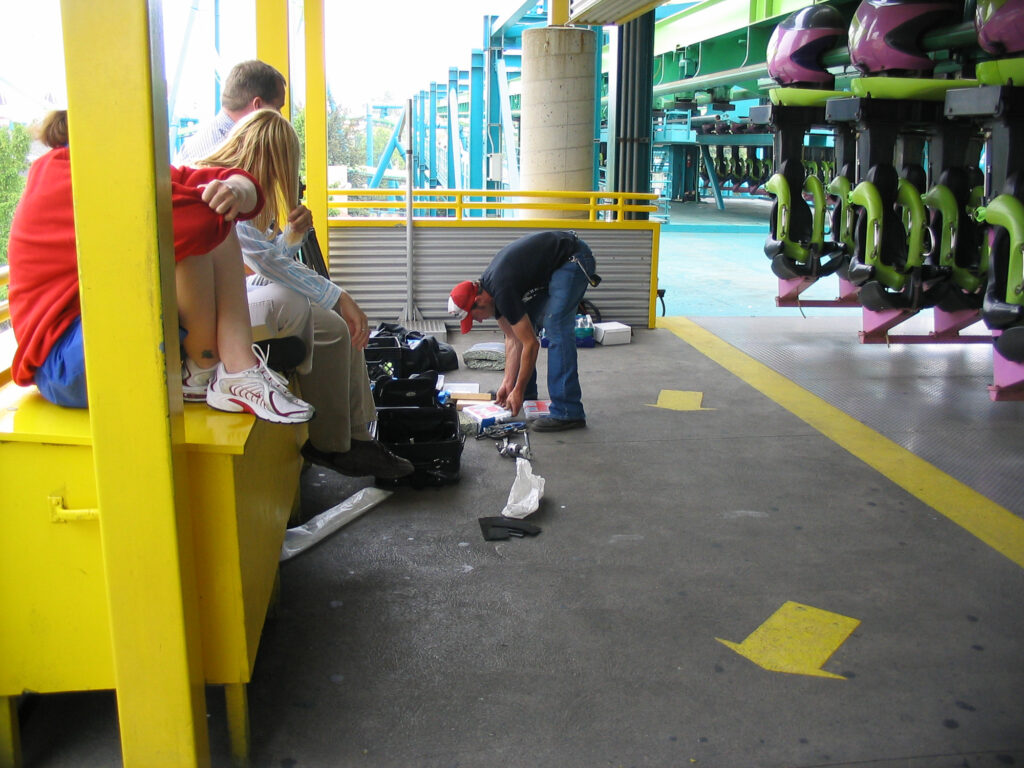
(10, 738)
(118, 129)
(558, 13)
(237, 705)
(316, 119)
(272, 42)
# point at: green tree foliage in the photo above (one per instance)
(299, 124)
(346, 142)
(14, 145)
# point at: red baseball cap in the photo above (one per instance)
(460, 303)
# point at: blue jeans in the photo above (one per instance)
(61, 377)
(556, 314)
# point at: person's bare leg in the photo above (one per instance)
(197, 312)
(234, 333)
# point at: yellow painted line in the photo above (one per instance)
(678, 400)
(995, 525)
(797, 639)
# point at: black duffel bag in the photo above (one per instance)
(420, 352)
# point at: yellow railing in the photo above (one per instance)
(5, 315)
(458, 204)
(5, 308)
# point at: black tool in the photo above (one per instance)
(501, 528)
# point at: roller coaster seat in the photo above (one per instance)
(795, 47)
(1000, 26)
(885, 35)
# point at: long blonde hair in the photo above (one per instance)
(264, 144)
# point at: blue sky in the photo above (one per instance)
(374, 49)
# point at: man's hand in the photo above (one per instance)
(513, 402)
(355, 318)
(231, 196)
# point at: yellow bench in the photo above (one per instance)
(243, 477)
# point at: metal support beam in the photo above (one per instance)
(389, 150)
(432, 179)
(272, 42)
(634, 128)
(452, 123)
(420, 139)
(477, 158)
(597, 108)
(492, 141)
(509, 148)
(316, 115)
(136, 421)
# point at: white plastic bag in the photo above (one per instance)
(301, 538)
(527, 491)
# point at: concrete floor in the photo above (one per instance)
(407, 640)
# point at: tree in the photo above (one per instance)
(299, 124)
(346, 141)
(14, 146)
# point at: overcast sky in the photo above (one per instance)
(375, 48)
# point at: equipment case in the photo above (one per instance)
(411, 423)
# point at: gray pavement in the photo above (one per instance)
(407, 640)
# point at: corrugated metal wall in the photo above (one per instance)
(370, 263)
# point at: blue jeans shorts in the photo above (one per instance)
(61, 377)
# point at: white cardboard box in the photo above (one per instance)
(486, 414)
(611, 333)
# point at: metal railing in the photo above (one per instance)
(383, 206)
(5, 307)
(5, 316)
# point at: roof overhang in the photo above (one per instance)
(602, 12)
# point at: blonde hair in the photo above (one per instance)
(265, 145)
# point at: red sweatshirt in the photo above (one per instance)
(43, 288)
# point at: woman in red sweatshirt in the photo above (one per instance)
(220, 365)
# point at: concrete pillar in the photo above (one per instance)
(556, 131)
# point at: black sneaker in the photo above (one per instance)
(551, 424)
(365, 458)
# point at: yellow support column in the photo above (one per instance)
(558, 13)
(10, 737)
(316, 120)
(119, 154)
(272, 42)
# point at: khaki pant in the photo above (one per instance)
(333, 375)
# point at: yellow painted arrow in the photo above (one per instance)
(797, 639)
(677, 400)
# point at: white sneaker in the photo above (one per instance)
(195, 380)
(259, 391)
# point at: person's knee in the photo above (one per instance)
(282, 311)
(329, 327)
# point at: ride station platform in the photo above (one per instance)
(771, 546)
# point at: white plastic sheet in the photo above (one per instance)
(526, 493)
(301, 538)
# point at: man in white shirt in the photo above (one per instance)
(250, 85)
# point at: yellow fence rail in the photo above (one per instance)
(362, 206)
(5, 315)
(5, 307)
